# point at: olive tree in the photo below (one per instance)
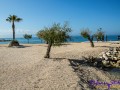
(99, 35)
(27, 36)
(54, 35)
(87, 34)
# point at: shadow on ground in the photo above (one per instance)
(103, 46)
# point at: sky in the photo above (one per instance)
(37, 14)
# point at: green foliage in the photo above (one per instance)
(56, 34)
(27, 36)
(13, 18)
(85, 33)
(13, 43)
(99, 35)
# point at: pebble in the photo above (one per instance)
(110, 56)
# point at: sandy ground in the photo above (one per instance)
(26, 69)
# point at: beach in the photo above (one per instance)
(26, 69)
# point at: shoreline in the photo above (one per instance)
(72, 42)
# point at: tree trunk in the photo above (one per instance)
(48, 51)
(46, 42)
(102, 38)
(91, 42)
(13, 27)
(106, 38)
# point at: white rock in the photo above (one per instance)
(115, 58)
(105, 62)
(105, 56)
(103, 52)
(108, 53)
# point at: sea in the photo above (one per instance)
(36, 40)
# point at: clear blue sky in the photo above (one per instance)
(36, 14)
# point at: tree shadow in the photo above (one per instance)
(57, 59)
(76, 62)
(25, 46)
(20, 46)
(66, 44)
(46, 45)
(104, 46)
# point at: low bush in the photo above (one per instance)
(13, 43)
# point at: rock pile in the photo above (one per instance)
(111, 58)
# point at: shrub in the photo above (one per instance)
(27, 36)
(99, 35)
(13, 43)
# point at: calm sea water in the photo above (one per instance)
(36, 40)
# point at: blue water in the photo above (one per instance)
(36, 40)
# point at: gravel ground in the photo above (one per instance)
(26, 69)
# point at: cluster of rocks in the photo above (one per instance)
(111, 58)
(105, 60)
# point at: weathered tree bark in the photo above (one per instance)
(92, 44)
(48, 51)
(91, 41)
(102, 38)
(13, 27)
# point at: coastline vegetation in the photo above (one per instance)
(12, 19)
(86, 33)
(55, 36)
(99, 35)
(27, 36)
